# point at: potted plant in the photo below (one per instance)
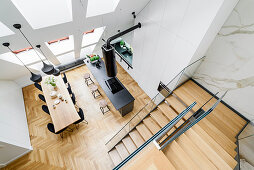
(94, 58)
(52, 81)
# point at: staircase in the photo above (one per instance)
(210, 144)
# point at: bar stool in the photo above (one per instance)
(103, 104)
(95, 89)
(87, 78)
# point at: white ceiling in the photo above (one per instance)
(45, 26)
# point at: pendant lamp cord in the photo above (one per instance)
(30, 44)
(19, 59)
(44, 55)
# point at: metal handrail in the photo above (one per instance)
(132, 118)
(184, 112)
(181, 72)
(191, 121)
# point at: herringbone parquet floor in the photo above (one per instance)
(84, 148)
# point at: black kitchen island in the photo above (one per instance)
(119, 96)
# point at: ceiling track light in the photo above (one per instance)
(47, 68)
(34, 77)
(56, 72)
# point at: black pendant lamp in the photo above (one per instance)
(34, 77)
(47, 68)
(56, 72)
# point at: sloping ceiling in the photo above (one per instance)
(119, 19)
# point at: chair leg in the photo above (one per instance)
(86, 122)
(69, 129)
(102, 110)
(99, 92)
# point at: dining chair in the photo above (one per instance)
(73, 98)
(38, 86)
(69, 89)
(45, 109)
(42, 98)
(65, 78)
(51, 128)
(82, 118)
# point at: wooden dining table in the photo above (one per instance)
(64, 113)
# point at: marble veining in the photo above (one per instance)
(224, 83)
(239, 29)
(230, 59)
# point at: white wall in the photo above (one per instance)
(229, 62)
(172, 32)
(14, 134)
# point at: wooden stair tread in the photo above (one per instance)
(152, 125)
(169, 112)
(229, 113)
(177, 105)
(219, 137)
(136, 137)
(207, 150)
(129, 144)
(177, 156)
(189, 99)
(194, 152)
(115, 157)
(161, 119)
(218, 114)
(144, 131)
(231, 149)
(226, 143)
(149, 158)
(121, 149)
(215, 146)
(212, 143)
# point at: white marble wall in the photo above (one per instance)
(171, 34)
(229, 64)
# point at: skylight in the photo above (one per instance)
(94, 37)
(4, 30)
(66, 58)
(44, 13)
(27, 57)
(99, 7)
(87, 50)
(62, 46)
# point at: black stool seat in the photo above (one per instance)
(87, 79)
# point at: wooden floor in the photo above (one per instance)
(84, 148)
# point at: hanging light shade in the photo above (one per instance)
(34, 77)
(56, 72)
(47, 68)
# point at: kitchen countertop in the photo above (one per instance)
(119, 99)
